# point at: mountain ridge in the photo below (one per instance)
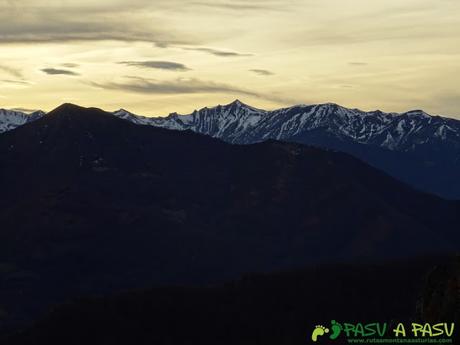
(94, 204)
(320, 112)
(414, 147)
(85, 139)
(142, 119)
(11, 119)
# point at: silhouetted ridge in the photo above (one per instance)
(75, 120)
(76, 111)
(92, 203)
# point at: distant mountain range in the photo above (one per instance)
(11, 119)
(417, 148)
(239, 123)
(92, 203)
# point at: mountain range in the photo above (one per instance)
(239, 123)
(11, 119)
(414, 147)
(92, 203)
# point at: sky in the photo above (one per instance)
(153, 57)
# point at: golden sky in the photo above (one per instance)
(154, 57)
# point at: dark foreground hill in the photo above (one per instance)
(91, 203)
(259, 309)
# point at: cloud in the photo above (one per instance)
(15, 82)
(162, 44)
(24, 110)
(70, 65)
(217, 52)
(11, 71)
(212, 51)
(23, 21)
(262, 72)
(57, 71)
(365, 31)
(236, 6)
(52, 35)
(177, 86)
(164, 65)
(162, 22)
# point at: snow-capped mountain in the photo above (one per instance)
(242, 124)
(415, 147)
(137, 205)
(10, 119)
(137, 119)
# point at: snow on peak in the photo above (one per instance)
(11, 119)
(240, 123)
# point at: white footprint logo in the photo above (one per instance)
(318, 331)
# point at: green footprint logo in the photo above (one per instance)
(318, 331)
(336, 330)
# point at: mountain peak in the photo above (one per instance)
(237, 103)
(70, 110)
(122, 110)
(417, 112)
(67, 108)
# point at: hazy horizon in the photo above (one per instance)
(177, 55)
(30, 111)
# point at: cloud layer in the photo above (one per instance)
(262, 72)
(11, 71)
(164, 65)
(58, 71)
(393, 54)
(177, 86)
(217, 52)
